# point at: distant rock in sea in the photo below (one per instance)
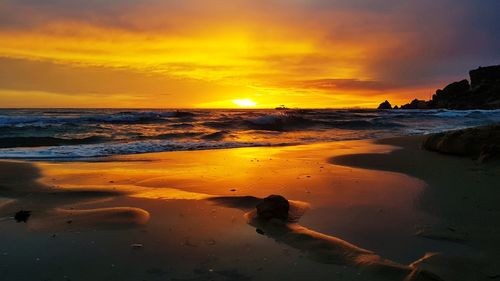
(385, 105)
(483, 92)
(416, 104)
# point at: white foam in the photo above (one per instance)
(116, 148)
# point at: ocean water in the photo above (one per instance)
(87, 133)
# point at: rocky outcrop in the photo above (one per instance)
(483, 92)
(481, 143)
(484, 75)
(385, 105)
(454, 93)
(416, 104)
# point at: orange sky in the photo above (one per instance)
(210, 53)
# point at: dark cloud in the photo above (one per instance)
(440, 39)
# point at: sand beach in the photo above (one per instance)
(367, 210)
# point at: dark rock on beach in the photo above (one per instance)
(483, 92)
(22, 216)
(273, 207)
(481, 143)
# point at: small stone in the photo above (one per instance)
(136, 245)
(211, 242)
(22, 216)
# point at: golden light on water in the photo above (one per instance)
(244, 102)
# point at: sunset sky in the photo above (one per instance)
(239, 53)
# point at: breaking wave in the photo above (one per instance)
(29, 133)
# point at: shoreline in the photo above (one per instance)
(356, 201)
(80, 135)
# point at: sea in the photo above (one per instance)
(76, 134)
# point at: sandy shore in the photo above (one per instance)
(154, 216)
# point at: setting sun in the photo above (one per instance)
(244, 102)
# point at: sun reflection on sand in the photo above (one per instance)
(165, 193)
(170, 194)
(294, 171)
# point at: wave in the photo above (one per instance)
(132, 117)
(177, 135)
(279, 122)
(117, 148)
(217, 136)
(7, 142)
(466, 113)
(318, 120)
(70, 133)
(141, 117)
(292, 122)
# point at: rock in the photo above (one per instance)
(482, 143)
(455, 88)
(396, 107)
(385, 105)
(488, 152)
(22, 216)
(484, 75)
(451, 96)
(273, 207)
(416, 104)
(483, 92)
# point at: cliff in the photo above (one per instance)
(483, 92)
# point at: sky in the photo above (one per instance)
(239, 53)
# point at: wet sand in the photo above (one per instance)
(154, 217)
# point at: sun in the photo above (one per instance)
(244, 102)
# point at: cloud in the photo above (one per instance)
(343, 84)
(95, 83)
(361, 46)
